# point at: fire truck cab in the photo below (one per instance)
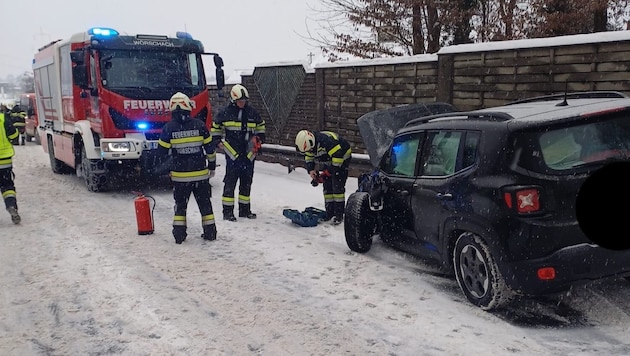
(102, 100)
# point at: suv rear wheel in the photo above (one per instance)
(360, 222)
(477, 273)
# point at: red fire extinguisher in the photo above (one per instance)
(144, 213)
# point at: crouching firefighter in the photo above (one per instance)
(193, 164)
(334, 153)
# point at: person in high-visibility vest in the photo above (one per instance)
(8, 132)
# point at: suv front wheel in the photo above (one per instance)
(360, 222)
(477, 273)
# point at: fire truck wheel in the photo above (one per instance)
(95, 182)
(56, 165)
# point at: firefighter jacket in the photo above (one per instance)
(189, 142)
(18, 118)
(7, 133)
(238, 129)
(330, 149)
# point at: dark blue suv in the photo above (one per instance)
(491, 194)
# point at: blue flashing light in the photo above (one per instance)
(102, 32)
(182, 34)
(142, 126)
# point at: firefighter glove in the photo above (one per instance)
(211, 174)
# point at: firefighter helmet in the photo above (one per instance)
(238, 92)
(180, 101)
(304, 141)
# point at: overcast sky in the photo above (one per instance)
(244, 32)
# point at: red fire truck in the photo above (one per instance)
(27, 103)
(102, 100)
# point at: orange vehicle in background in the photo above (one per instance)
(27, 103)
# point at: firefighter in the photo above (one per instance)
(193, 164)
(240, 131)
(8, 133)
(18, 118)
(334, 154)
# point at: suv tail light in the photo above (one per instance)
(523, 200)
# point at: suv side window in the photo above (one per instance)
(402, 156)
(443, 151)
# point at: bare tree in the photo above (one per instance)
(386, 28)
(376, 28)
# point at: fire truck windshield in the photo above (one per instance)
(151, 70)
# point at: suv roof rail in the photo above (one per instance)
(576, 95)
(461, 115)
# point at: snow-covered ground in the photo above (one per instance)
(77, 279)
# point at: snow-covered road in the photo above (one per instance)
(77, 279)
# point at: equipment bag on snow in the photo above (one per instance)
(307, 218)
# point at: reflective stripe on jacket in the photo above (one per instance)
(190, 144)
(329, 148)
(237, 127)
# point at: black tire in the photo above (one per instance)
(477, 273)
(360, 222)
(56, 165)
(95, 182)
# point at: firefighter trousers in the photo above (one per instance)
(240, 170)
(7, 187)
(335, 191)
(201, 190)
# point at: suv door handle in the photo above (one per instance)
(445, 196)
(403, 192)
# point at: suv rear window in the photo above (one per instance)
(587, 141)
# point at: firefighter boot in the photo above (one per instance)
(228, 213)
(245, 212)
(15, 217)
(179, 233)
(209, 232)
(330, 211)
(339, 212)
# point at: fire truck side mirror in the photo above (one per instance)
(218, 61)
(220, 78)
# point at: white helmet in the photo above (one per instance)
(180, 101)
(238, 92)
(304, 141)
